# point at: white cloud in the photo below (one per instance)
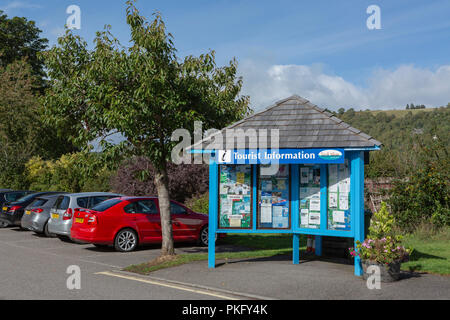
(386, 88)
(18, 5)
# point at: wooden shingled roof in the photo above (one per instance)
(302, 124)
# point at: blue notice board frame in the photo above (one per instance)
(356, 163)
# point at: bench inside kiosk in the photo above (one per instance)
(312, 184)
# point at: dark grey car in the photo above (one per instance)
(37, 214)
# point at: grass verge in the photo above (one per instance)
(431, 252)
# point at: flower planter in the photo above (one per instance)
(388, 272)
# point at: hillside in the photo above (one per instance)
(404, 133)
(401, 112)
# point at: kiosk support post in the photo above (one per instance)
(213, 205)
(296, 248)
(358, 171)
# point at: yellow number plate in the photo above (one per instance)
(79, 220)
(28, 212)
(55, 215)
(5, 208)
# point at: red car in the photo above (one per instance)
(126, 222)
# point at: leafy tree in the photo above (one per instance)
(18, 108)
(143, 92)
(20, 39)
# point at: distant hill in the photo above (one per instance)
(402, 133)
(402, 112)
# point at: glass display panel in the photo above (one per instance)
(309, 196)
(273, 197)
(235, 188)
(339, 196)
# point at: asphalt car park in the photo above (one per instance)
(35, 267)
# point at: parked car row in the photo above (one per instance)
(100, 218)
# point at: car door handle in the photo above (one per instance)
(176, 223)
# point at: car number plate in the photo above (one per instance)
(79, 220)
(55, 216)
(28, 212)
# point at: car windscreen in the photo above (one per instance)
(39, 202)
(13, 196)
(105, 205)
(26, 197)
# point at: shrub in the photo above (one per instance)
(382, 244)
(199, 203)
(424, 195)
(76, 172)
(185, 181)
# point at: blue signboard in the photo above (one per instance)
(281, 156)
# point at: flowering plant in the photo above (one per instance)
(385, 250)
(381, 245)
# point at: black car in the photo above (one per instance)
(7, 196)
(12, 212)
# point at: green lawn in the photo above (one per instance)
(431, 252)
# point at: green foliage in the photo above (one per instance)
(424, 195)
(382, 244)
(77, 172)
(199, 203)
(381, 224)
(20, 40)
(143, 91)
(399, 131)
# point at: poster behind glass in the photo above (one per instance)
(273, 195)
(339, 196)
(309, 196)
(235, 196)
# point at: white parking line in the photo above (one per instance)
(169, 285)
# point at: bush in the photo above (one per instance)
(199, 203)
(424, 196)
(382, 244)
(76, 172)
(136, 177)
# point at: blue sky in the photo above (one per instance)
(321, 50)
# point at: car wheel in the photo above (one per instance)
(126, 240)
(204, 236)
(48, 233)
(3, 224)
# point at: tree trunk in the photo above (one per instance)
(162, 186)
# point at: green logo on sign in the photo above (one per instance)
(330, 154)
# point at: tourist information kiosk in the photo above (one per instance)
(312, 184)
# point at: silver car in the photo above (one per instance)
(62, 211)
(37, 214)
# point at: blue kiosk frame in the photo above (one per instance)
(355, 157)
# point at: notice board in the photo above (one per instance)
(339, 196)
(235, 196)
